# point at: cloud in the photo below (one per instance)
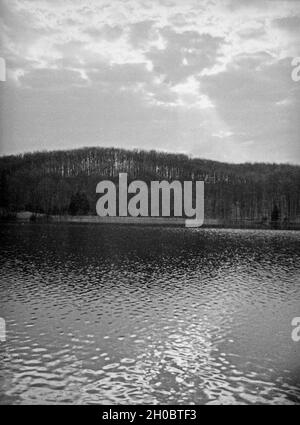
(59, 79)
(185, 54)
(140, 33)
(106, 32)
(210, 78)
(186, 94)
(290, 25)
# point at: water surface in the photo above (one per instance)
(129, 314)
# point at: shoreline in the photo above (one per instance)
(29, 217)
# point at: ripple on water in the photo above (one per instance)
(104, 314)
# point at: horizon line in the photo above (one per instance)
(187, 155)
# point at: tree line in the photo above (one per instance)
(64, 182)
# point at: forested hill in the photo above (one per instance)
(63, 182)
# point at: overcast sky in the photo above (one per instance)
(208, 78)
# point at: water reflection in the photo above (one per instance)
(114, 314)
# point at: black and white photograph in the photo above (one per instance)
(149, 205)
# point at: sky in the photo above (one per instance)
(208, 78)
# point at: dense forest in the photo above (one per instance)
(64, 182)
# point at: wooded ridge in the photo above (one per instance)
(64, 182)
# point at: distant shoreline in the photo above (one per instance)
(236, 196)
(29, 217)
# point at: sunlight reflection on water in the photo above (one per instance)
(116, 314)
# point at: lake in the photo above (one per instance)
(132, 314)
